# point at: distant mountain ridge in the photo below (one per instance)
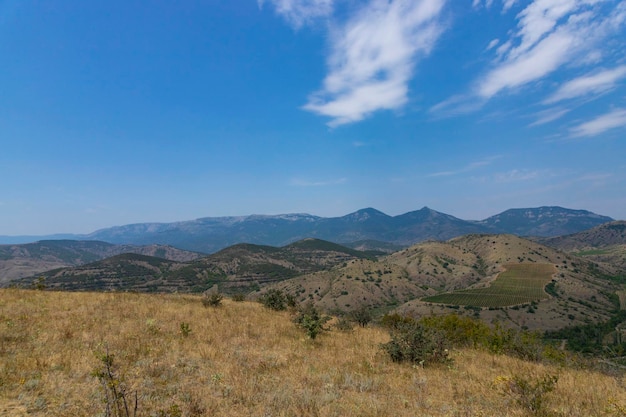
(211, 234)
(237, 269)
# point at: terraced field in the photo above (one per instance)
(518, 284)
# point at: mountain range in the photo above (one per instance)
(210, 234)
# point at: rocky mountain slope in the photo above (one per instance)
(211, 234)
(543, 221)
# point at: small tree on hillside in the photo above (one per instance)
(311, 320)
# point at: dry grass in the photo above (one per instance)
(243, 360)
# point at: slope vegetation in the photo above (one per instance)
(605, 243)
(563, 289)
(240, 268)
(243, 360)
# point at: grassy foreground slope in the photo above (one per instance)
(243, 360)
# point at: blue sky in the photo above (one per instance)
(115, 112)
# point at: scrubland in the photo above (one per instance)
(179, 358)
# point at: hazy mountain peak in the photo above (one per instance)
(365, 214)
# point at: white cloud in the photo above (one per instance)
(373, 56)
(477, 3)
(493, 43)
(515, 175)
(548, 116)
(507, 4)
(469, 167)
(543, 59)
(300, 12)
(588, 84)
(456, 105)
(611, 120)
(549, 35)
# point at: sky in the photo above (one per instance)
(116, 112)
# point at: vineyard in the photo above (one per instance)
(518, 284)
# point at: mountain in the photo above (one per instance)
(17, 261)
(543, 221)
(211, 234)
(237, 269)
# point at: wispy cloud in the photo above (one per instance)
(516, 175)
(611, 120)
(589, 84)
(300, 12)
(467, 168)
(298, 182)
(550, 34)
(373, 56)
(548, 116)
(477, 3)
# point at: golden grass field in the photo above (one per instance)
(241, 359)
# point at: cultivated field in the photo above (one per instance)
(518, 284)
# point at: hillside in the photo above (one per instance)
(605, 243)
(244, 360)
(579, 290)
(239, 268)
(25, 260)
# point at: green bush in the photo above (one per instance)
(277, 300)
(418, 344)
(311, 320)
(395, 321)
(185, 329)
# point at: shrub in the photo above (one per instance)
(185, 329)
(212, 299)
(116, 395)
(344, 324)
(418, 344)
(311, 320)
(362, 315)
(239, 297)
(531, 393)
(277, 300)
(395, 321)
